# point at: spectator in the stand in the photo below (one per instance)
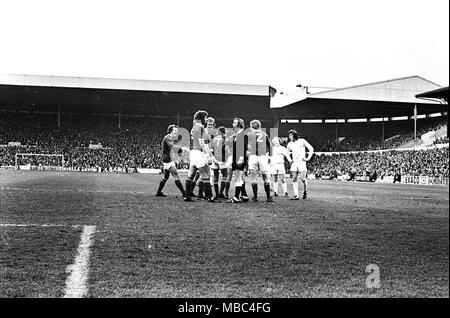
(137, 143)
(432, 162)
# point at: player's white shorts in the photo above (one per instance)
(198, 159)
(168, 165)
(277, 169)
(229, 162)
(221, 165)
(258, 163)
(299, 166)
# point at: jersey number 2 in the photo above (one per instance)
(259, 138)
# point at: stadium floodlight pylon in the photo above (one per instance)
(49, 166)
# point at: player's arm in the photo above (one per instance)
(204, 143)
(289, 153)
(286, 154)
(245, 150)
(174, 146)
(269, 146)
(213, 151)
(310, 150)
(205, 147)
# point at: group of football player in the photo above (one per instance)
(239, 155)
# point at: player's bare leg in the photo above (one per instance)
(295, 185)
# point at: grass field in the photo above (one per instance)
(145, 246)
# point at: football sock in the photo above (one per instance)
(216, 189)
(284, 186)
(162, 183)
(243, 191)
(237, 191)
(200, 188)
(192, 187)
(227, 188)
(207, 189)
(180, 186)
(188, 186)
(267, 188)
(275, 186)
(295, 186)
(255, 189)
(222, 187)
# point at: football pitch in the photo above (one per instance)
(72, 234)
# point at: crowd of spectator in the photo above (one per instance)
(441, 140)
(432, 162)
(137, 144)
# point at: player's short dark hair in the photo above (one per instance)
(255, 124)
(241, 123)
(201, 115)
(170, 128)
(210, 120)
(222, 130)
(294, 133)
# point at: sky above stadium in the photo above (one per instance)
(281, 43)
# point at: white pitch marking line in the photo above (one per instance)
(76, 283)
(72, 190)
(38, 225)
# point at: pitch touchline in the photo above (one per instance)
(39, 225)
(76, 283)
(69, 190)
(147, 193)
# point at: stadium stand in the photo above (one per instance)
(137, 145)
(372, 165)
(363, 136)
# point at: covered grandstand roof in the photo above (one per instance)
(440, 93)
(133, 84)
(135, 97)
(395, 97)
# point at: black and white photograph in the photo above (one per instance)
(224, 154)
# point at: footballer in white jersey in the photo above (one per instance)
(297, 151)
(277, 169)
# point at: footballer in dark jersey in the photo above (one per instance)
(259, 150)
(238, 158)
(168, 146)
(200, 156)
(221, 152)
